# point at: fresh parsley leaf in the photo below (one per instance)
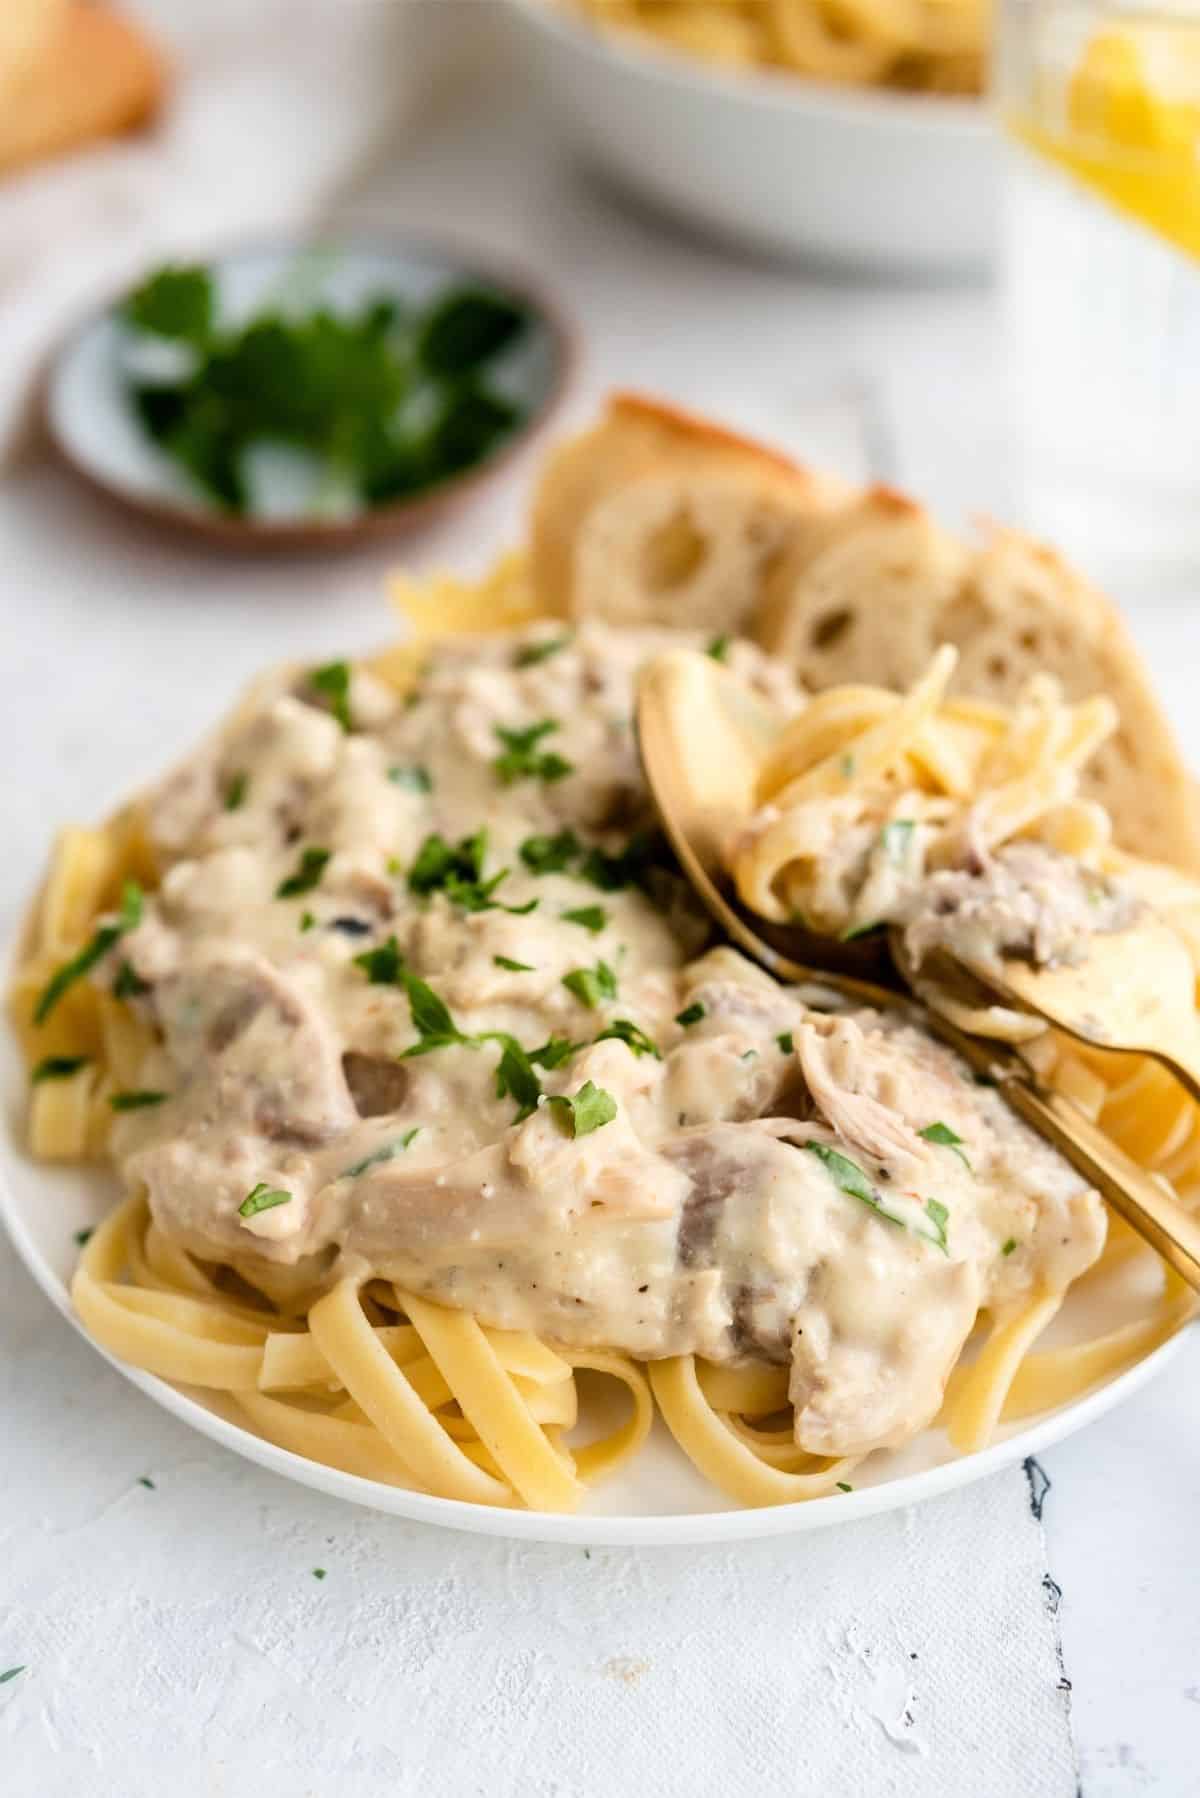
(846, 766)
(897, 840)
(263, 1198)
(857, 930)
(691, 1014)
(1009, 1246)
(83, 1237)
(235, 791)
(307, 921)
(550, 855)
(431, 1019)
(852, 1180)
(388, 1152)
(591, 917)
(11, 1673)
(718, 647)
(466, 328)
(129, 983)
(939, 1216)
(128, 918)
(136, 1101)
(624, 1030)
(591, 985)
(842, 1486)
(333, 683)
(147, 1482)
(416, 779)
(515, 1077)
(57, 1067)
(308, 874)
(175, 302)
(383, 966)
(511, 966)
(437, 860)
(523, 760)
(631, 866)
(318, 1573)
(787, 1042)
(949, 1139)
(553, 1053)
(587, 1110)
(530, 654)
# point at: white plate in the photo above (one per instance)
(659, 1499)
(767, 158)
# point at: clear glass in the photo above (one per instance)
(1099, 109)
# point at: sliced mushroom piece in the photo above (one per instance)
(378, 1083)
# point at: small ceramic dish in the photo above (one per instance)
(94, 426)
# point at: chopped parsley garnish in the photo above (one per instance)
(83, 1237)
(431, 1019)
(718, 647)
(550, 855)
(591, 985)
(263, 1198)
(787, 1042)
(57, 1067)
(382, 966)
(308, 874)
(553, 1053)
(846, 765)
(511, 966)
(523, 760)
(748, 1055)
(128, 918)
(530, 654)
(624, 1030)
(584, 1111)
(318, 1573)
(947, 1138)
(897, 838)
(11, 1673)
(456, 869)
(843, 1486)
(415, 779)
(515, 1077)
(129, 983)
(235, 791)
(388, 1152)
(857, 930)
(145, 1480)
(1009, 1246)
(591, 917)
(307, 921)
(136, 1101)
(629, 867)
(847, 1175)
(691, 1014)
(332, 682)
(174, 302)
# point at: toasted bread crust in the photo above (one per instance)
(851, 586)
(94, 76)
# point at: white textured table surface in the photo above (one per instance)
(176, 1635)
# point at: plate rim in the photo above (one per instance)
(660, 1529)
(231, 531)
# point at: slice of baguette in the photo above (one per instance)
(869, 595)
(657, 517)
(93, 76)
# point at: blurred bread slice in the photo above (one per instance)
(657, 517)
(90, 74)
(868, 594)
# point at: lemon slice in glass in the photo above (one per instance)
(1127, 123)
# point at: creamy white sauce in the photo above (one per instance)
(709, 1213)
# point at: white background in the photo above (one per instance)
(118, 649)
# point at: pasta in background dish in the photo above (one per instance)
(931, 46)
(369, 1202)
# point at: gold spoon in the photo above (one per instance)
(701, 737)
(1099, 1004)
